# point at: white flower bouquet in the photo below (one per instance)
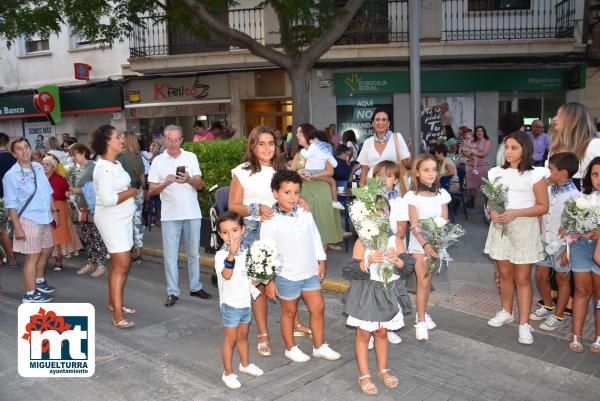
(579, 217)
(262, 260)
(370, 215)
(71, 174)
(497, 198)
(440, 234)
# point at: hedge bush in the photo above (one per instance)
(216, 159)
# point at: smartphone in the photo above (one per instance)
(180, 170)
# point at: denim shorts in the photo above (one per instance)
(582, 256)
(233, 317)
(553, 262)
(291, 289)
(252, 232)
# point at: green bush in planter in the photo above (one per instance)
(216, 159)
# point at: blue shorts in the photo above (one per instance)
(291, 289)
(233, 317)
(582, 256)
(252, 232)
(553, 262)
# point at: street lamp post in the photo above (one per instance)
(415, 77)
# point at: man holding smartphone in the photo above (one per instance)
(175, 175)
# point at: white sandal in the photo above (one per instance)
(575, 344)
(263, 348)
(595, 347)
(367, 388)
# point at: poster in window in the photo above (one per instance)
(355, 112)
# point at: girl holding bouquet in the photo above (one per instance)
(517, 245)
(426, 199)
(373, 309)
(586, 271)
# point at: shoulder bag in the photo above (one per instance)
(403, 172)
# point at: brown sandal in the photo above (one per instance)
(575, 344)
(368, 388)
(263, 348)
(389, 380)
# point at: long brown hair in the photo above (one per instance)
(250, 158)
(414, 182)
(577, 130)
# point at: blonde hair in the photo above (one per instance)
(577, 130)
(131, 142)
(414, 184)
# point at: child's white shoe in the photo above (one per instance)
(295, 355)
(338, 205)
(325, 352)
(231, 381)
(393, 338)
(421, 332)
(430, 323)
(251, 370)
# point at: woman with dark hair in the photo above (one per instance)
(384, 145)
(475, 152)
(349, 139)
(114, 215)
(514, 239)
(316, 192)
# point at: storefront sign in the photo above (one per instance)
(36, 132)
(355, 113)
(437, 112)
(82, 71)
(181, 89)
(436, 81)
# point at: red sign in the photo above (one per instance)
(44, 102)
(82, 71)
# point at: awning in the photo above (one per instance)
(182, 103)
(178, 109)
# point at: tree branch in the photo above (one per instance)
(201, 15)
(329, 37)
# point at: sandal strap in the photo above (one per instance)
(263, 335)
(364, 377)
(384, 370)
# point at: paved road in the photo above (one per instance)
(173, 354)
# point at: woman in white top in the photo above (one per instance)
(114, 216)
(573, 130)
(514, 238)
(349, 139)
(53, 148)
(382, 146)
(250, 196)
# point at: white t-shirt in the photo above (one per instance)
(398, 212)
(257, 186)
(520, 185)
(370, 157)
(179, 201)
(591, 151)
(146, 158)
(298, 243)
(428, 206)
(316, 157)
(234, 292)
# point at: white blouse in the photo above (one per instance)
(520, 185)
(257, 186)
(109, 180)
(370, 157)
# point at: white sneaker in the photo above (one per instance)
(525, 336)
(231, 381)
(421, 332)
(501, 318)
(251, 369)
(338, 205)
(295, 355)
(325, 352)
(394, 338)
(372, 342)
(430, 323)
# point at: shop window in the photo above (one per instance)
(492, 5)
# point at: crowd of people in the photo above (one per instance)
(289, 196)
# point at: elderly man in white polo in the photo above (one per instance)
(175, 175)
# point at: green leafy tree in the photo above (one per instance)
(308, 28)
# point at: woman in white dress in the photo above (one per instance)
(114, 216)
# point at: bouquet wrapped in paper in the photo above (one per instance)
(370, 215)
(579, 218)
(440, 234)
(497, 198)
(262, 261)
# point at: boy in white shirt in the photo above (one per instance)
(318, 153)
(234, 298)
(302, 261)
(562, 168)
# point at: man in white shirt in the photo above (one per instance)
(175, 175)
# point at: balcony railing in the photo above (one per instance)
(507, 19)
(378, 22)
(159, 37)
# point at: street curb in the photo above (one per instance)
(327, 284)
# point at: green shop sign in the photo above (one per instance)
(436, 81)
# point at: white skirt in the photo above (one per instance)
(395, 324)
(115, 225)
